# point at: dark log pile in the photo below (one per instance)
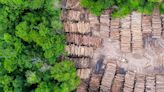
(83, 87)
(162, 25)
(94, 83)
(118, 83)
(84, 40)
(81, 63)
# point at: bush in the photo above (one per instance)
(122, 7)
(31, 42)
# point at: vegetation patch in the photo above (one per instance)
(31, 42)
(122, 7)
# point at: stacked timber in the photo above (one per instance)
(82, 87)
(118, 83)
(162, 25)
(84, 74)
(140, 83)
(146, 24)
(159, 83)
(73, 4)
(129, 82)
(104, 25)
(80, 27)
(81, 63)
(137, 42)
(79, 51)
(125, 35)
(94, 25)
(73, 15)
(85, 40)
(94, 83)
(115, 29)
(150, 83)
(108, 77)
(156, 24)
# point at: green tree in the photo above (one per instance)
(122, 7)
(31, 42)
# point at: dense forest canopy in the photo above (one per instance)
(31, 42)
(123, 7)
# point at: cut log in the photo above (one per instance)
(108, 77)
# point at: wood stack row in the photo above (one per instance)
(156, 24)
(73, 15)
(80, 27)
(83, 87)
(140, 83)
(104, 25)
(115, 29)
(79, 51)
(84, 74)
(159, 83)
(108, 77)
(94, 83)
(162, 25)
(73, 4)
(94, 25)
(125, 33)
(118, 83)
(150, 83)
(84, 40)
(129, 82)
(81, 63)
(146, 24)
(137, 42)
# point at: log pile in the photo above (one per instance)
(156, 24)
(84, 74)
(146, 24)
(150, 83)
(80, 27)
(162, 25)
(81, 63)
(94, 25)
(137, 42)
(73, 15)
(118, 83)
(73, 4)
(82, 87)
(125, 33)
(79, 51)
(108, 77)
(115, 29)
(94, 83)
(104, 25)
(129, 82)
(140, 83)
(159, 83)
(85, 40)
